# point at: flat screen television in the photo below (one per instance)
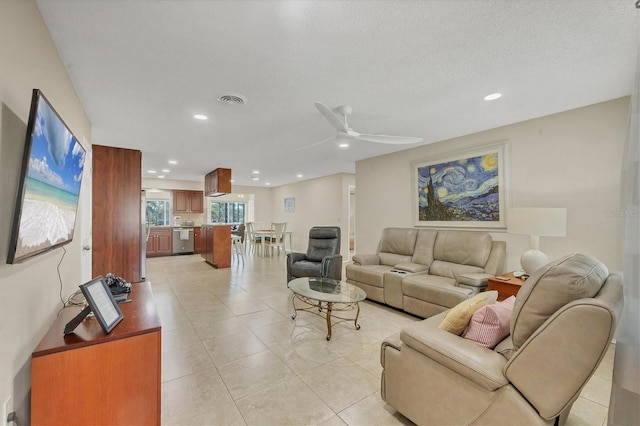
(49, 186)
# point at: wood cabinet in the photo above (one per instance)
(188, 202)
(159, 242)
(197, 240)
(216, 245)
(506, 285)
(88, 377)
(116, 212)
(217, 182)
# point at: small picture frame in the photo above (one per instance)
(104, 306)
(290, 204)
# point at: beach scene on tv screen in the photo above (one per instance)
(52, 186)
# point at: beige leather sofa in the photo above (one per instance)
(426, 271)
(562, 323)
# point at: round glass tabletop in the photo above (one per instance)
(327, 290)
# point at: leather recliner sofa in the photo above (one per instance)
(562, 323)
(427, 271)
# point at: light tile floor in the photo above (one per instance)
(232, 355)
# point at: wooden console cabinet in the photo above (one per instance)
(89, 378)
(216, 245)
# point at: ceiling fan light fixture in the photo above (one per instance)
(232, 99)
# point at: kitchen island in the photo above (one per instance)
(216, 245)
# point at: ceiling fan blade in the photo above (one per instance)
(395, 140)
(332, 117)
(317, 143)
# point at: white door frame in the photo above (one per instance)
(351, 214)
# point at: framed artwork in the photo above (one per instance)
(101, 301)
(463, 189)
(290, 205)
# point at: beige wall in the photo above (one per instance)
(29, 292)
(318, 202)
(572, 160)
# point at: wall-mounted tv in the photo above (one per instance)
(49, 186)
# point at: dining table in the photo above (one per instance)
(265, 234)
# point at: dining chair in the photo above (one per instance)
(253, 242)
(237, 248)
(277, 238)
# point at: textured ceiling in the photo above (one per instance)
(410, 68)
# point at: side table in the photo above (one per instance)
(506, 285)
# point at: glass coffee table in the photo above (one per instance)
(324, 297)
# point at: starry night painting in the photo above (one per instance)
(462, 191)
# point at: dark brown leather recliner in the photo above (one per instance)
(322, 259)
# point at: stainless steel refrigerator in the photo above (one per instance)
(144, 235)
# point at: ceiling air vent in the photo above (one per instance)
(232, 99)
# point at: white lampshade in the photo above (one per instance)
(536, 222)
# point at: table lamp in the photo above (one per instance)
(536, 222)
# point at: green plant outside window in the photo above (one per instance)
(227, 212)
(158, 212)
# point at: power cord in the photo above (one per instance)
(64, 251)
(70, 300)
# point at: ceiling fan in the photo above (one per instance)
(337, 117)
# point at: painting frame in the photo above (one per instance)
(290, 204)
(470, 188)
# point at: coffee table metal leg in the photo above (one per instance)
(295, 311)
(355, 321)
(329, 306)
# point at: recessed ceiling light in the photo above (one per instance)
(299, 175)
(267, 183)
(200, 117)
(492, 96)
(172, 162)
(255, 178)
(166, 170)
(255, 172)
(343, 145)
(151, 171)
(160, 176)
(232, 181)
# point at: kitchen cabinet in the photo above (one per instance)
(217, 182)
(92, 378)
(188, 202)
(159, 242)
(197, 240)
(216, 245)
(116, 241)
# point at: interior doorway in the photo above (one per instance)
(351, 231)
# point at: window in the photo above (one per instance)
(227, 212)
(158, 212)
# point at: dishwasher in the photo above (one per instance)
(182, 240)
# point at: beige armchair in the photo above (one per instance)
(562, 323)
